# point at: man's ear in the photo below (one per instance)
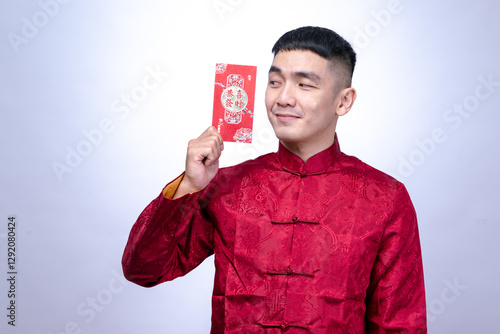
(346, 96)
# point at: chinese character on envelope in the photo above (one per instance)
(234, 95)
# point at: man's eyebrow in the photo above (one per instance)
(299, 74)
(308, 75)
(274, 69)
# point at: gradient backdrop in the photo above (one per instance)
(99, 99)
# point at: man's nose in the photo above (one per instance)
(286, 97)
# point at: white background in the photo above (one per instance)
(66, 68)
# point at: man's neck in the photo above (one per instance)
(305, 150)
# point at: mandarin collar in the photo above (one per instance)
(317, 164)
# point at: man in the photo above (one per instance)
(306, 240)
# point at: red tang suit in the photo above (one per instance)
(326, 246)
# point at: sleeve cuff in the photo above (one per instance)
(171, 188)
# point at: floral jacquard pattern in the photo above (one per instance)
(326, 246)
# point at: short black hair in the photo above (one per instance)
(325, 43)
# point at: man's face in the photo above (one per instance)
(302, 99)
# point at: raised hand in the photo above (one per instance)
(202, 161)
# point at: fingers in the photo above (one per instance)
(202, 160)
(207, 148)
(212, 133)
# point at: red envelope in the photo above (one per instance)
(234, 95)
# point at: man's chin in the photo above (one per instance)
(286, 136)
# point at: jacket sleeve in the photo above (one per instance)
(169, 239)
(396, 295)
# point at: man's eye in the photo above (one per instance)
(305, 85)
(273, 83)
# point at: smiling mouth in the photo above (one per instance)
(282, 117)
(285, 118)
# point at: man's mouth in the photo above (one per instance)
(286, 116)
